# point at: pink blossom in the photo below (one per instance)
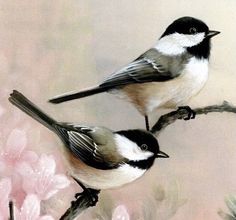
(5, 190)
(41, 179)
(14, 151)
(120, 213)
(30, 210)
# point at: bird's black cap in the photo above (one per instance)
(186, 25)
(142, 137)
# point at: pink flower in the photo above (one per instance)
(14, 151)
(41, 179)
(120, 213)
(5, 190)
(30, 210)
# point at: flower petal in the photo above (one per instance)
(48, 194)
(46, 217)
(1, 216)
(29, 156)
(16, 213)
(2, 166)
(24, 169)
(50, 186)
(60, 181)
(29, 177)
(30, 209)
(16, 143)
(5, 190)
(120, 213)
(46, 164)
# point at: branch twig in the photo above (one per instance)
(79, 205)
(11, 211)
(171, 117)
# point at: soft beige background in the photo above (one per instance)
(50, 47)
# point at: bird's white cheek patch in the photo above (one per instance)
(175, 44)
(130, 150)
(186, 40)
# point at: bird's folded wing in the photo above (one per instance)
(141, 70)
(84, 147)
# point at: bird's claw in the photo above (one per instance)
(90, 194)
(77, 195)
(191, 113)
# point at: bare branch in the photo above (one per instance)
(11, 210)
(83, 202)
(171, 117)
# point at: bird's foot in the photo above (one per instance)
(91, 195)
(190, 113)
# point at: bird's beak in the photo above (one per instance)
(161, 154)
(211, 34)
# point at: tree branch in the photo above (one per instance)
(81, 203)
(171, 117)
(11, 211)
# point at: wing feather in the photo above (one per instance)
(83, 146)
(141, 70)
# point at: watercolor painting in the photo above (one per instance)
(179, 169)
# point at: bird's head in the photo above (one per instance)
(140, 147)
(186, 34)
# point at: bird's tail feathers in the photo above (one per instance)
(77, 95)
(20, 101)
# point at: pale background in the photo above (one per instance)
(50, 47)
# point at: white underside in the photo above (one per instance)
(178, 91)
(107, 179)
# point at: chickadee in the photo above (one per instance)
(97, 156)
(167, 75)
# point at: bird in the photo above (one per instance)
(165, 76)
(97, 156)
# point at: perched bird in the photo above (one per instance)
(97, 156)
(167, 75)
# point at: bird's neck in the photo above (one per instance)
(169, 48)
(142, 164)
(202, 50)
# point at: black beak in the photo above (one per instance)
(161, 154)
(211, 34)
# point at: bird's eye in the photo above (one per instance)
(144, 147)
(192, 30)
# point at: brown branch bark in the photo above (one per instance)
(11, 211)
(83, 202)
(171, 117)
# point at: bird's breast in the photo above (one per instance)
(106, 179)
(102, 179)
(169, 94)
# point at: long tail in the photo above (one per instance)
(20, 101)
(77, 95)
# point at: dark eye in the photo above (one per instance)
(192, 30)
(144, 147)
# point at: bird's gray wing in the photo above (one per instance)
(147, 68)
(83, 146)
